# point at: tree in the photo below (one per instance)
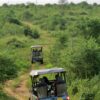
(33, 33)
(8, 69)
(62, 1)
(27, 15)
(82, 58)
(89, 27)
(5, 5)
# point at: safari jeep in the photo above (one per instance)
(37, 54)
(53, 88)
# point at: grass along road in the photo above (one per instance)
(18, 88)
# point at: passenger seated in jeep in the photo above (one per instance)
(46, 80)
(58, 78)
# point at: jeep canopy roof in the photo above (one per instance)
(46, 71)
(36, 46)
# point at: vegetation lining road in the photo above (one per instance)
(18, 88)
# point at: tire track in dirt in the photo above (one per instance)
(21, 92)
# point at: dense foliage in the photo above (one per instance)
(72, 36)
(8, 69)
(3, 96)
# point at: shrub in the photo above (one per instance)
(62, 40)
(59, 23)
(56, 51)
(22, 64)
(5, 5)
(81, 58)
(27, 15)
(83, 13)
(74, 90)
(35, 34)
(87, 60)
(29, 32)
(62, 24)
(89, 28)
(3, 96)
(8, 69)
(54, 23)
(15, 43)
(85, 5)
(10, 17)
(54, 56)
(87, 96)
(14, 21)
(12, 29)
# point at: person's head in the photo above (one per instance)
(56, 76)
(46, 79)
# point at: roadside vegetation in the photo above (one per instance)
(3, 96)
(71, 39)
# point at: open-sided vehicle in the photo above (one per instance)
(53, 88)
(37, 54)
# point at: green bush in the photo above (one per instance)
(5, 5)
(27, 31)
(23, 64)
(8, 69)
(13, 29)
(4, 96)
(74, 90)
(11, 18)
(78, 57)
(27, 16)
(89, 27)
(33, 33)
(54, 23)
(87, 96)
(14, 21)
(15, 43)
(62, 40)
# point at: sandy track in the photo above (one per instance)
(21, 92)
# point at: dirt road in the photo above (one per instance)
(20, 91)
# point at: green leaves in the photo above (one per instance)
(89, 28)
(33, 33)
(8, 69)
(80, 56)
(3, 96)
